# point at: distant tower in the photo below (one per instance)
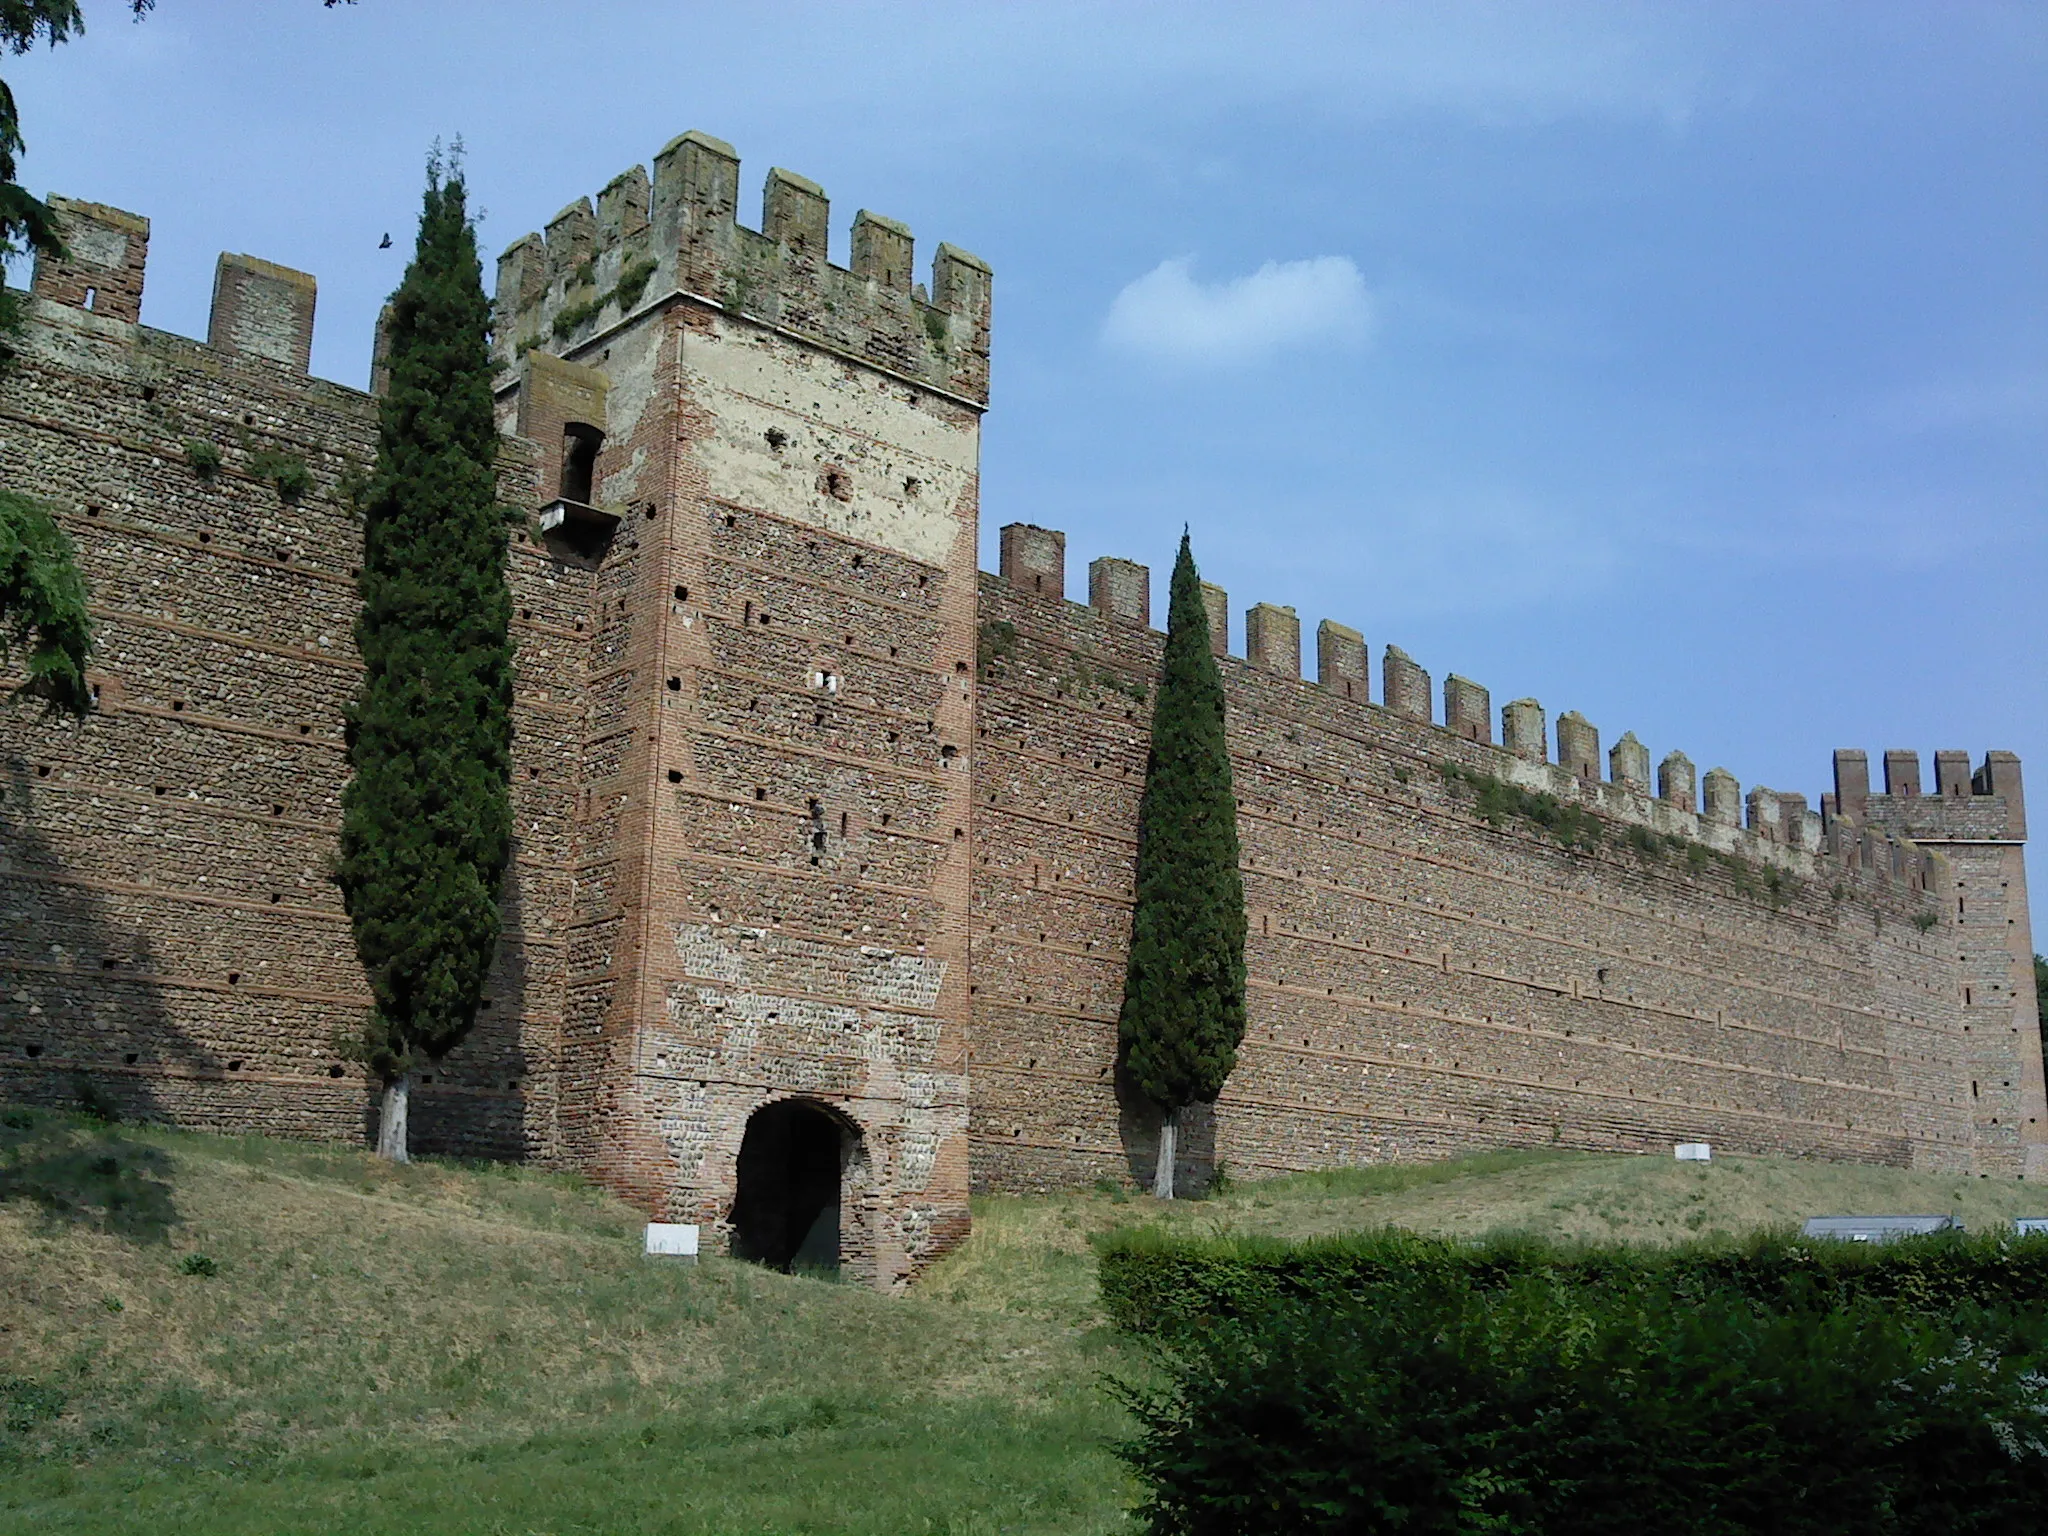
(771, 462)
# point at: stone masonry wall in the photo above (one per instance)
(1421, 982)
(170, 938)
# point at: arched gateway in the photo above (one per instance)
(793, 1176)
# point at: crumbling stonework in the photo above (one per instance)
(814, 819)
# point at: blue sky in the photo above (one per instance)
(1686, 365)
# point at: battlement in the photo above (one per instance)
(647, 239)
(260, 309)
(1988, 805)
(1855, 828)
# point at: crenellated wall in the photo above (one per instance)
(169, 931)
(810, 810)
(1422, 981)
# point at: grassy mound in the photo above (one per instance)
(238, 1335)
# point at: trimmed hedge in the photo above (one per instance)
(1389, 1382)
(1516, 1409)
(1156, 1283)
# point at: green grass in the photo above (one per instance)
(458, 1348)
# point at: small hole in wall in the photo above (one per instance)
(248, 421)
(130, 1058)
(335, 1070)
(234, 978)
(856, 561)
(305, 730)
(32, 1050)
(206, 538)
(92, 511)
(652, 514)
(276, 897)
(959, 666)
(108, 962)
(778, 440)
(682, 594)
(760, 793)
(731, 521)
(42, 770)
(178, 704)
(675, 775)
(526, 613)
(234, 1066)
(533, 772)
(892, 650)
(162, 789)
(149, 391)
(675, 685)
(277, 810)
(922, 579)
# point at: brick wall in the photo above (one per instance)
(1422, 983)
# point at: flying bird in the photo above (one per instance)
(385, 245)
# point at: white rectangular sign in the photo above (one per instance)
(672, 1239)
(1695, 1152)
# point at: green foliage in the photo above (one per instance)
(993, 643)
(86, 1174)
(1925, 921)
(286, 471)
(1156, 1283)
(42, 608)
(426, 818)
(1495, 801)
(2041, 999)
(625, 293)
(1183, 1006)
(203, 456)
(1084, 678)
(577, 314)
(198, 1264)
(938, 327)
(1521, 1408)
(633, 281)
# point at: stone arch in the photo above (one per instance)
(803, 1190)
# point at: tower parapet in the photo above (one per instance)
(678, 232)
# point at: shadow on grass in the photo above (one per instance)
(86, 1173)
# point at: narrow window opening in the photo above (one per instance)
(844, 820)
(817, 827)
(580, 443)
(92, 298)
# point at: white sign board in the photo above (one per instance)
(2027, 1225)
(1695, 1152)
(672, 1239)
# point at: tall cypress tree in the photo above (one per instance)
(427, 819)
(1183, 1010)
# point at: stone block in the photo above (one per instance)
(1272, 639)
(1524, 730)
(1343, 664)
(1404, 685)
(1034, 559)
(1723, 798)
(1628, 762)
(1120, 589)
(1468, 709)
(1578, 746)
(1678, 782)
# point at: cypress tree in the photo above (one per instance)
(426, 818)
(42, 607)
(1183, 1008)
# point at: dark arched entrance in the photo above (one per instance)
(786, 1214)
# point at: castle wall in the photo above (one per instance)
(170, 936)
(809, 809)
(1421, 982)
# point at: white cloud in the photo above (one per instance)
(1170, 317)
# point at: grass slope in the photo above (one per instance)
(481, 1349)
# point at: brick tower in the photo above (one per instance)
(770, 464)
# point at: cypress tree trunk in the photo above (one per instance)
(1169, 1146)
(1183, 1007)
(426, 818)
(391, 1120)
